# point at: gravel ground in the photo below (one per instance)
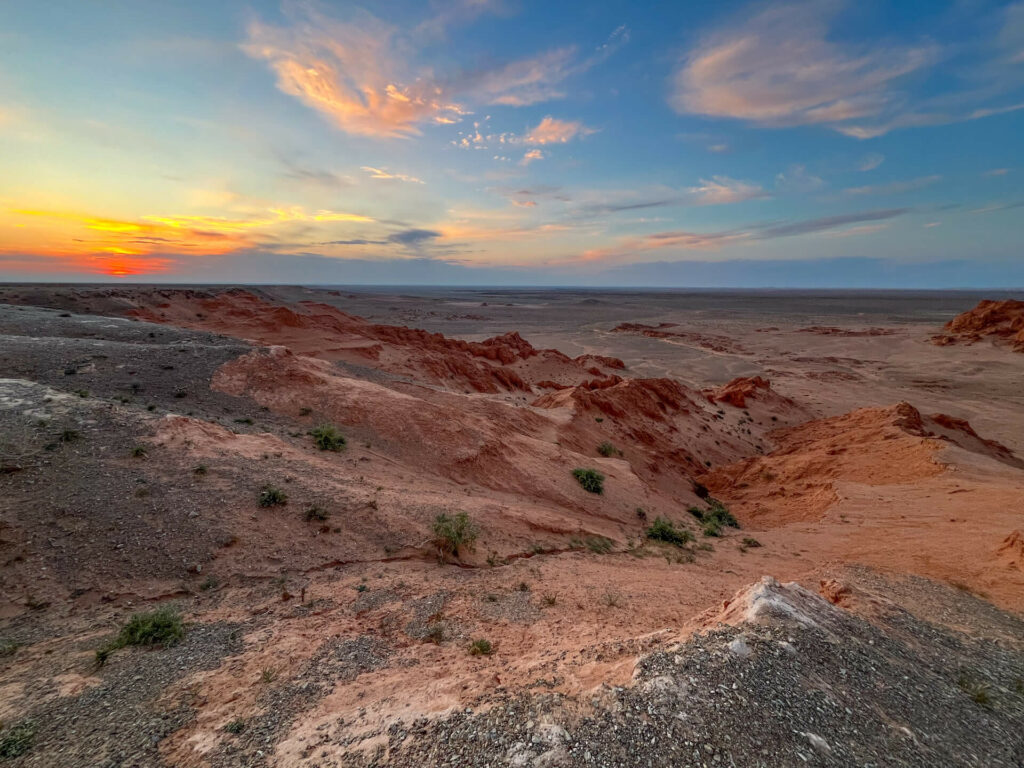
(897, 692)
(337, 661)
(119, 722)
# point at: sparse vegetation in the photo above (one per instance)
(69, 435)
(701, 490)
(641, 513)
(8, 648)
(235, 727)
(749, 543)
(523, 586)
(453, 533)
(200, 470)
(246, 420)
(17, 740)
(140, 452)
(326, 437)
(268, 675)
(979, 691)
(666, 531)
(550, 600)
(590, 480)
(607, 450)
(481, 647)
(316, 513)
(162, 627)
(714, 518)
(612, 599)
(599, 545)
(272, 497)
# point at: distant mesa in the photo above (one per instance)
(1000, 321)
(706, 341)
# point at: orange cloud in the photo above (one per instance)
(529, 157)
(351, 73)
(552, 131)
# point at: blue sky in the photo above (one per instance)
(494, 141)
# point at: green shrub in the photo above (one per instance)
(272, 497)
(315, 513)
(722, 514)
(481, 647)
(664, 530)
(235, 726)
(590, 480)
(715, 517)
(606, 449)
(162, 627)
(328, 438)
(452, 533)
(140, 452)
(599, 545)
(17, 740)
(979, 691)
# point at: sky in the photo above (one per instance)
(511, 142)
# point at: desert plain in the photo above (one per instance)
(515, 527)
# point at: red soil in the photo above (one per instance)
(870, 446)
(1011, 551)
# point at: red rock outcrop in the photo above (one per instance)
(999, 320)
(869, 446)
(502, 363)
(736, 392)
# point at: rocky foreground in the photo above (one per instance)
(238, 531)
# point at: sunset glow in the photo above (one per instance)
(489, 141)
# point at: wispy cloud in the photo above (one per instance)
(538, 78)
(870, 161)
(385, 175)
(894, 187)
(796, 179)
(684, 240)
(996, 172)
(359, 72)
(553, 131)
(779, 68)
(352, 72)
(783, 66)
(719, 190)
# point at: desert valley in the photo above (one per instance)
(280, 526)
